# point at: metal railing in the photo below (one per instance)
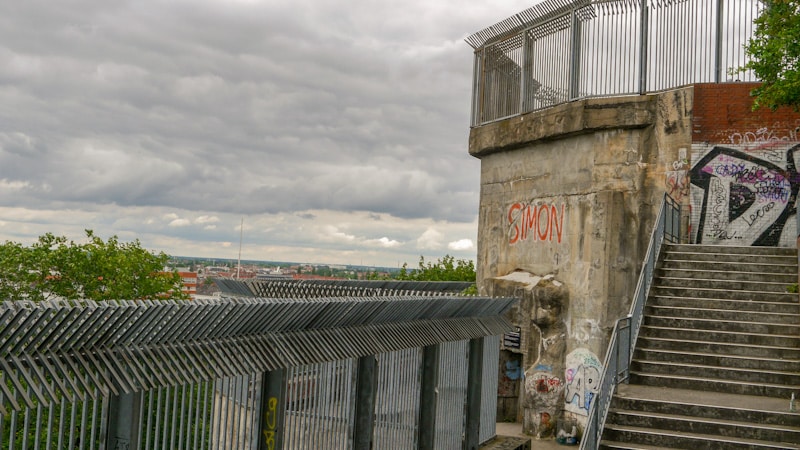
(623, 339)
(246, 373)
(562, 50)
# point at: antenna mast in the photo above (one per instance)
(241, 234)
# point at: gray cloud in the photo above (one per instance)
(240, 107)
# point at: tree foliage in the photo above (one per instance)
(446, 269)
(774, 51)
(54, 267)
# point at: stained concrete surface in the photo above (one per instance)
(515, 429)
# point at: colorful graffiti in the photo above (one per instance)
(535, 222)
(582, 381)
(745, 197)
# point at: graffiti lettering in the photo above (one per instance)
(271, 422)
(745, 196)
(582, 381)
(538, 222)
(762, 136)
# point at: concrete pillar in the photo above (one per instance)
(366, 386)
(272, 410)
(428, 397)
(123, 421)
(474, 387)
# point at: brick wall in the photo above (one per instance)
(723, 114)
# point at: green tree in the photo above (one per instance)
(446, 269)
(54, 267)
(774, 51)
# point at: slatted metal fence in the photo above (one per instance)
(562, 50)
(245, 373)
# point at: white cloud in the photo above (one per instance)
(431, 239)
(461, 245)
(180, 223)
(383, 242)
(206, 219)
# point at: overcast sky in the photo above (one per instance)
(336, 128)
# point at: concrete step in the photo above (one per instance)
(782, 378)
(724, 324)
(719, 274)
(701, 312)
(714, 385)
(696, 283)
(786, 265)
(777, 308)
(721, 294)
(747, 251)
(684, 440)
(707, 405)
(719, 348)
(719, 427)
(614, 445)
(713, 359)
(721, 336)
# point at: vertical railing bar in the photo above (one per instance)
(50, 418)
(93, 434)
(157, 441)
(72, 419)
(26, 422)
(37, 438)
(186, 413)
(206, 403)
(84, 419)
(61, 419)
(12, 429)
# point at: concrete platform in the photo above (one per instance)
(515, 430)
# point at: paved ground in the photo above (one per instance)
(515, 429)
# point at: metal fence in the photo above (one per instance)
(246, 373)
(626, 331)
(561, 50)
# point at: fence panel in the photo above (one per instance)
(397, 399)
(560, 50)
(452, 394)
(319, 410)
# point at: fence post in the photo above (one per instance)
(718, 48)
(428, 397)
(366, 386)
(272, 412)
(644, 32)
(474, 388)
(575, 62)
(123, 421)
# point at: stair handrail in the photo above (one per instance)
(623, 339)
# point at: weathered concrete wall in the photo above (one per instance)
(572, 192)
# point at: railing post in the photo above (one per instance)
(272, 415)
(718, 47)
(366, 386)
(428, 397)
(474, 388)
(644, 32)
(575, 62)
(123, 421)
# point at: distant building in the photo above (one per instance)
(189, 280)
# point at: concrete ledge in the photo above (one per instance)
(507, 443)
(582, 116)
